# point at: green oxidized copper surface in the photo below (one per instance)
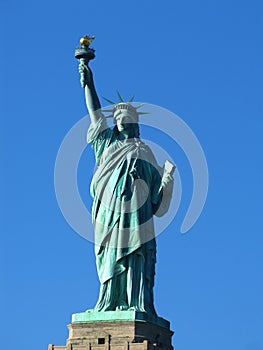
(118, 316)
(128, 190)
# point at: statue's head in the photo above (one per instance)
(126, 119)
(125, 116)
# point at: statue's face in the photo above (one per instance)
(125, 121)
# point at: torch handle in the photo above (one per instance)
(83, 75)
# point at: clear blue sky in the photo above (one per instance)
(201, 60)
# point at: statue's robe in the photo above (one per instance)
(127, 192)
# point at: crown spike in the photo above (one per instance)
(131, 100)
(112, 103)
(140, 113)
(139, 106)
(119, 96)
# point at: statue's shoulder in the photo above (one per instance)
(144, 147)
(99, 131)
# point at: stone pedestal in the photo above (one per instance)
(117, 330)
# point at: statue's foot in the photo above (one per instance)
(135, 308)
(122, 308)
(150, 313)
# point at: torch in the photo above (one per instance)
(84, 54)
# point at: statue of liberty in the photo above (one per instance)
(128, 189)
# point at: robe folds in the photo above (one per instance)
(127, 192)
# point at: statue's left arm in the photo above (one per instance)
(164, 193)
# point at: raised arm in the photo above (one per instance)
(92, 100)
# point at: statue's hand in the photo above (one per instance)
(85, 74)
(166, 179)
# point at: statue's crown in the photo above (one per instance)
(123, 106)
